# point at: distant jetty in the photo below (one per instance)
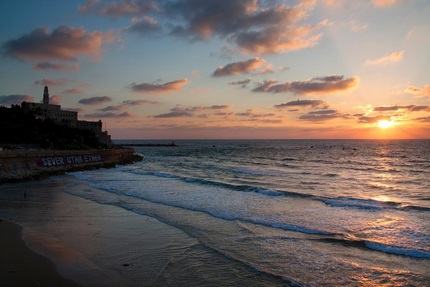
(172, 144)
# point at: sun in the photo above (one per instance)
(385, 124)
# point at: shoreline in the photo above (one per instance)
(23, 267)
(17, 166)
(101, 244)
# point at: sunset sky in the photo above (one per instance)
(200, 69)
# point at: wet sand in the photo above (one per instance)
(22, 267)
(77, 242)
(87, 243)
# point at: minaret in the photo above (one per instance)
(46, 96)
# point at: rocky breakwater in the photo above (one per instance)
(26, 165)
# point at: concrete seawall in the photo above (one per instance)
(26, 165)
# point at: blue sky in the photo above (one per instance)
(225, 69)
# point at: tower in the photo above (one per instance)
(46, 96)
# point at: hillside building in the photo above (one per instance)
(45, 110)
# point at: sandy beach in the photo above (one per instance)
(22, 267)
(69, 241)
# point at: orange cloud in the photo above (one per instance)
(425, 91)
(239, 68)
(323, 115)
(384, 3)
(392, 58)
(62, 44)
(303, 104)
(74, 91)
(158, 88)
(320, 85)
(257, 27)
(56, 99)
(410, 108)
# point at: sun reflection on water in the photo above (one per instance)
(382, 198)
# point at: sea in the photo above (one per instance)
(297, 212)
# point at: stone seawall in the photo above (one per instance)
(25, 165)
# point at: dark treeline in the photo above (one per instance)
(19, 128)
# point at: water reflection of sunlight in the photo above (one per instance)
(384, 164)
(386, 229)
(382, 198)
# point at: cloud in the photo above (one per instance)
(112, 108)
(372, 119)
(95, 100)
(62, 44)
(15, 99)
(384, 3)
(239, 68)
(144, 26)
(304, 104)
(425, 91)
(254, 27)
(108, 115)
(174, 114)
(74, 91)
(251, 114)
(257, 117)
(178, 112)
(218, 107)
(140, 102)
(50, 82)
(45, 66)
(332, 3)
(200, 108)
(55, 100)
(423, 119)
(321, 85)
(410, 108)
(392, 58)
(324, 115)
(118, 9)
(242, 83)
(126, 103)
(158, 88)
(358, 27)
(251, 26)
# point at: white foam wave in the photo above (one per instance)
(398, 250)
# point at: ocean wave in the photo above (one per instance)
(331, 175)
(370, 204)
(231, 214)
(416, 207)
(244, 188)
(289, 159)
(340, 202)
(398, 250)
(377, 246)
(360, 203)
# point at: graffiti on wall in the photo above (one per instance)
(68, 160)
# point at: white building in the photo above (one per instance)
(45, 110)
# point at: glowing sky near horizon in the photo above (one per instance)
(197, 69)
